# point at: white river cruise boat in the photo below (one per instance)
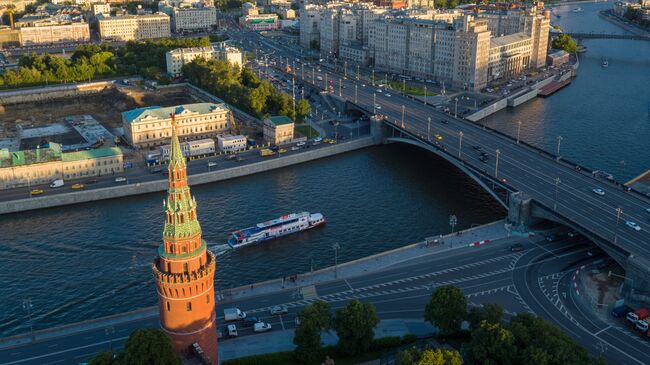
(287, 224)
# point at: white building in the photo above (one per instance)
(231, 144)
(54, 32)
(190, 16)
(134, 27)
(175, 59)
(509, 55)
(151, 126)
(199, 147)
(101, 8)
(261, 22)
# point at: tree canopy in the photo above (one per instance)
(314, 318)
(145, 346)
(446, 309)
(355, 324)
(490, 312)
(565, 42)
(414, 356)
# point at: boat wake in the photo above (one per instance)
(218, 249)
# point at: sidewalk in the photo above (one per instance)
(277, 341)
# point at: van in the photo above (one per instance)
(57, 183)
(120, 179)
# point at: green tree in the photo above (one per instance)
(314, 318)
(565, 42)
(440, 357)
(302, 110)
(149, 346)
(103, 358)
(446, 309)
(491, 313)
(409, 356)
(491, 344)
(355, 324)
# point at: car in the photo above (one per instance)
(318, 139)
(477, 148)
(573, 234)
(279, 310)
(120, 179)
(483, 158)
(379, 90)
(261, 327)
(295, 148)
(388, 95)
(594, 251)
(647, 210)
(377, 106)
(91, 181)
(300, 144)
(598, 191)
(249, 321)
(212, 164)
(77, 186)
(633, 225)
(551, 238)
(36, 192)
(517, 247)
(438, 137)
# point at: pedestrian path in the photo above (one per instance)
(278, 341)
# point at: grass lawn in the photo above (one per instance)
(306, 130)
(410, 89)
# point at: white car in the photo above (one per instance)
(295, 148)
(388, 95)
(647, 210)
(318, 139)
(378, 90)
(633, 225)
(120, 179)
(598, 191)
(377, 106)
(279, 310)
(261, 327)
(212, 164)
(300, 144)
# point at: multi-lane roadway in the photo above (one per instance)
(550, 181)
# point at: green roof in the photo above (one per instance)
(280, 119)
(156, 112)
(96, 153)
(29, 157)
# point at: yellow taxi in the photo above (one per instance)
(438, 137)
(78, 186)
(36, 192)
(282, 150)
(332, 141)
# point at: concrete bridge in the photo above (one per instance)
(580, 36)
(533, 184)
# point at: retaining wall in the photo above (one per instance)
(161, 185)
(488, 110)
(522, 98)
(52, 92)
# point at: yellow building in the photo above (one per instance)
(278, 130)
(134, 27)
(44, 165)
(151, 126)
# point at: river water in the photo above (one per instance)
(602, 116)
(91, 260)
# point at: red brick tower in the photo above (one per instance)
(184, 268)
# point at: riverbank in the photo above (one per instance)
(490, 233)
(126, 190)
(624, 23)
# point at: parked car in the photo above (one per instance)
(249, 321)
(261, 327)
(517, 247)
(120, 179)
(621, 311)
(78, 186)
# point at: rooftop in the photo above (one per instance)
(508, 39)
(89, 154)
(156, 112)
(30, 157)
(280, 120)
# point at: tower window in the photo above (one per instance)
(189, 306)
(207, 299)
(185, 267)
(168, 307)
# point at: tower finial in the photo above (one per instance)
(176, 155)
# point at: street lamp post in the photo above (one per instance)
(355, 93)
(518, 130)
(403, 87)
(460, 143)
(559, 140)
(425, 94)
(402, 116)
(557, 183)
(326, 88)
(109, 331)
(618, 217)
(345, 69)
(340, 87)
(313, 76)
(429, 129)
(456, 108)
(453, 220)
(496, 166)
(336, 247)
(358, 76)
(373, 77)
(374, 104)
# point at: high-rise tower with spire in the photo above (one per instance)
(184, 268)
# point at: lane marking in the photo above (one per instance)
(62, 351)
(604, 329)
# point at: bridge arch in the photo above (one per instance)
(454, 161)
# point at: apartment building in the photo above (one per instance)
(134, 27)
(151, 126)
(44, 165)
(310, 25)
(54, 32)
(189, 16)
(261, 22)
(175, 59)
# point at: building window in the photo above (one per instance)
(207, 298)
(168, 307)
(189, 307)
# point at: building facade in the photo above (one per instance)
(194, 18)
(151, 126)
(261, 22)
(230, 144)
(134, 27)
(175, 59)
(42, 33)
(44, 165)
(184, 268)
(278, 130)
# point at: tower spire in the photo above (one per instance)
(184, 268)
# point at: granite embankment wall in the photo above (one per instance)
(46, 93)
(161, 185)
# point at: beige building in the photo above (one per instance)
(101, 8)
(261, 22)
(175, 59)
(230, 144)
(194, 18)
(134, 27)
(36, 29)
(44, 165)
(509, 55)
(278, 130)
(151, 126)
(250, 9)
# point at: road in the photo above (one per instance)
(140, 174)
(486, 274)
(555, 184)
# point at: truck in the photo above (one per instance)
(233, 314)
(265, 152)
(621, 311)
(57, 183)
(643, 326)
(637, 315)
